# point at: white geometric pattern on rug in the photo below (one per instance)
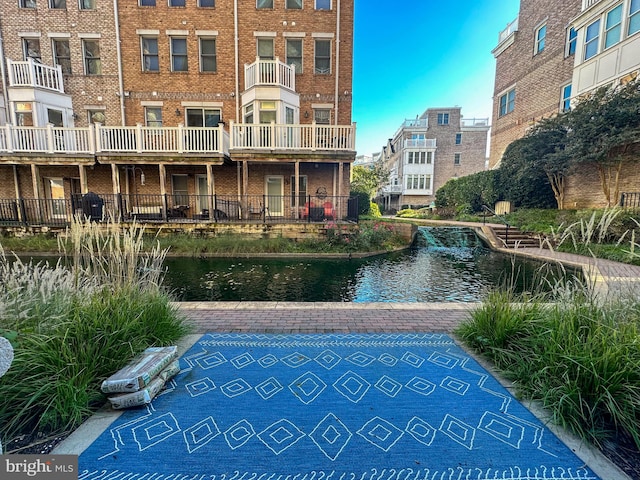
(369, 407)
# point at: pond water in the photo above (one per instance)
(444, 265)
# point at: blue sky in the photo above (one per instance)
(410, 55)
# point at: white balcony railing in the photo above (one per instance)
(35, 75)
(589, 3)
(507, 32)
(107, 139)
(389, 189)
(422, 143)
(474, 122)
(269, 72)
(292, 137)
(416, 123)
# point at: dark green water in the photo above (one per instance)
(445, 265)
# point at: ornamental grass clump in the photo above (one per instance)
(73, 326)
(580, 358)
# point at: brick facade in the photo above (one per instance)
(460, 150)
(173, 92)
(536, 77)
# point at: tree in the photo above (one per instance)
(604, 131)
(522, 179)
(543, 149)
(369, 179)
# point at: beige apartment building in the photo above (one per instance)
(551, 54)
(195, 110)
(428, 151)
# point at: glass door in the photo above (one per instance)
(274, 196)
(54, 194)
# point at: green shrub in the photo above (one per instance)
(374, 210)
(74, 326)
(579, 357)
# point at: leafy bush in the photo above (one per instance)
(374, 210)
(468, 194)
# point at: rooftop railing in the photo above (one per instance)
(269, 72)
(474, 122)
(35, 75)
(415, 123)
(589, 3)
(507, 32)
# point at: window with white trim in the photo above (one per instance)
(203, 117)
(322, 116)
(323, 4)
(208, 58)
(417, 157)
(565, 100)
(418, 182)
(293, 4)
(153, 116)
(572, 40)
(458, 138)
(613, 27)
(62, 54)
(265, 49)
(31, 49)
(591, 40)
(294, 53)
(180, 189)
(58, 4)
(177, 3)
(322, 57)
(264, 4)
(507, 102)
(92, 61)
(443, 119)
(301, 191)
(179, 59)
(150, 61)
(541, 36)
(456, 159)
(634, 17)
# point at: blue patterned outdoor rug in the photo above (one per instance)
(330, 407)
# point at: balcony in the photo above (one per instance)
(392, 189)
(35, 75)
(474, 122)
(311, 137)
(106, 139)
(586, 4)
(506, 37)
(415, 123)
(421, 143)
(269, 73)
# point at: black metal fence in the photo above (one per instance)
(630, 200)
(178, 208)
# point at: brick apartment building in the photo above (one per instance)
(553, 52)
(179, 107)
(428, 151)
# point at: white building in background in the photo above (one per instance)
(428, 151)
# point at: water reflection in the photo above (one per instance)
(449, 265)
